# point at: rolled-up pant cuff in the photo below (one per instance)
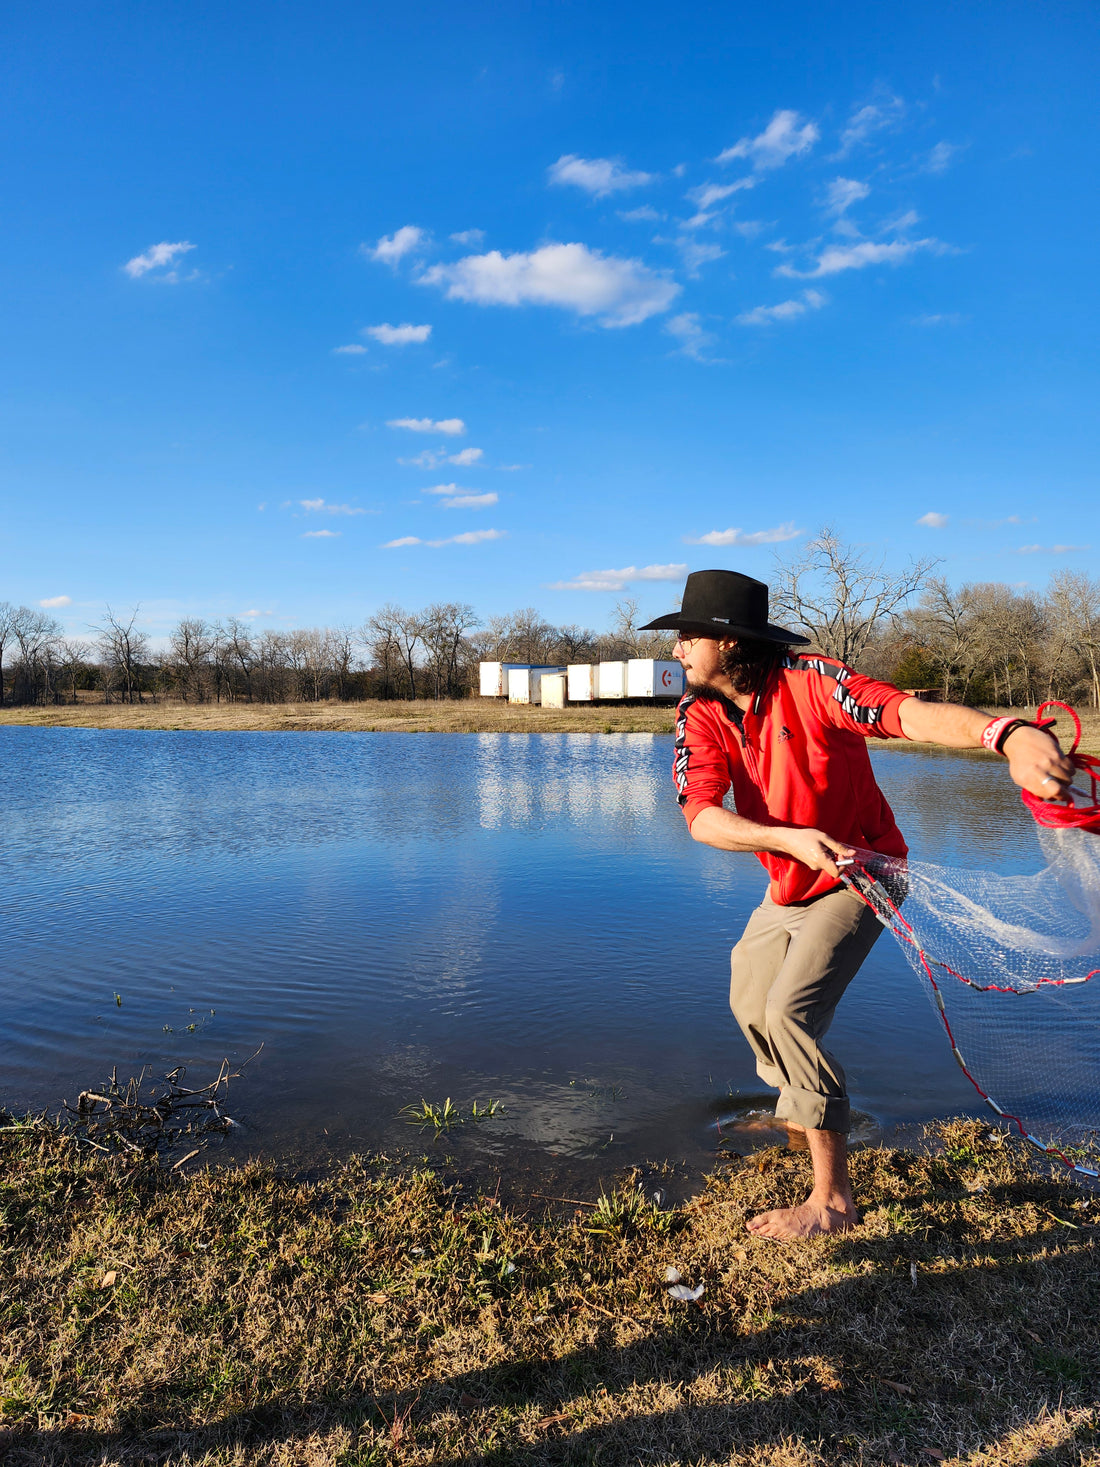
(814, 1112)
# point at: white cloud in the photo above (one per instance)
(866, 121)
(398, 335)
(739, 537)
(1050, 549)
(465, 457)
(783, 138)
(696, 255)
(472, 501)
(690, 333)
(842, 193)
(812, 300)
(354, 350)
(941, 318)
(933, 520)
(443, 489)
(469, 237)
(512, 468)
(709, 194)
(52, 602)
(155, 257)
(431, 458)
(255, 612)
(469, 537)
(835, 258)
(597, 176)
(618, 580)
(645, 214)
(319, 506)
(321, 534)
(392, 248)
(450, 427)
(619, 292)
(939, 159)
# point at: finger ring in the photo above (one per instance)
(1048, 780)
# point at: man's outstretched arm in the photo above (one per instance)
(726, 831)
(1035, 760)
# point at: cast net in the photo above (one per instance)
(1012, 966)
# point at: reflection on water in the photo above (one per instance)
(521, 917)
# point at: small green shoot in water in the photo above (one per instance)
(447, 1116)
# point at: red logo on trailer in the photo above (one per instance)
(666, 679)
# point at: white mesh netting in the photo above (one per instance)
(1012, 964)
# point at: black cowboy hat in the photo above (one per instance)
(724, 603)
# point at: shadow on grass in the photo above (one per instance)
(847, 1373)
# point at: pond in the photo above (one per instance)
(394, 917)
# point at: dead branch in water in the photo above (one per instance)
(119, 1119)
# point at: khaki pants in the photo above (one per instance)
(787, 975)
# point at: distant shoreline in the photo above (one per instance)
(470, 715)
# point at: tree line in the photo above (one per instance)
(987, 643)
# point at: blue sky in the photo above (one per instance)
(313, 307)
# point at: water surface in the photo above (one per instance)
(394, 916)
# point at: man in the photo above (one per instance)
(788, 732)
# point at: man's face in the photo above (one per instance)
(699, 657)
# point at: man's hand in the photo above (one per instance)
(1036, 763)
(815, 849)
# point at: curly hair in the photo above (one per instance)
(749, 663)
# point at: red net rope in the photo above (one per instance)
(1080, 810)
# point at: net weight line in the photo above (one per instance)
(895, 923)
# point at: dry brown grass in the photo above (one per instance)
(472, 715)
(238, 1317)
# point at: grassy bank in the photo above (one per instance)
(380, 1315)
(473, 715)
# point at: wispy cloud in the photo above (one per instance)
(866, 121)
(933, 520)
(789, 531)
(472, 501)
(811, 300)
(786, 136)
(835, 258)
(449, 427)
(468, 237)
(939, 159)
(52, 603)
(158, 257)
(1050, 549)
(321, 506)
(617, 291)
(398, 335)
(707, 195)
(432, 458)
(696, 254)
(842, 193)
(642, 215)
(353, 350)
(693, 337)
(469, 537)
(597, 176)
(618, 580)
(392, 248)
(321, 534)
(940, 318)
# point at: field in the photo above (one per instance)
(472, 715)
(384, 1314)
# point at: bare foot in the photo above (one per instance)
(808, 1220)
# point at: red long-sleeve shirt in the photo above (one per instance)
(797, 756)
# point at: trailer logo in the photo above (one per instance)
(666, 678)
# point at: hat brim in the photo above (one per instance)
(674, 622)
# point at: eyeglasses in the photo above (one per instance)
(687, 642)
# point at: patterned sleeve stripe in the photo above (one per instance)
(858, 712)
(683, 753)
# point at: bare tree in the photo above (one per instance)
(7, 611)
(190, 646)
(37, 635)
(443, 627)
(123, 649)
(1073, 600)
(837, 595)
